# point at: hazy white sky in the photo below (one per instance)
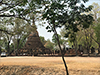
(43, 32)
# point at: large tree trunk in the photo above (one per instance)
(57, 38)
(97, 43)
(8, 48)
(0, 39)
(75, 45)
(88, 51)
(87, 43)
(99, 49)
(0, 50)
(8, 44)
(18, 40)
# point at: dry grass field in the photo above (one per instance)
(27, 65)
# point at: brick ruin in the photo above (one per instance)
(34, 45)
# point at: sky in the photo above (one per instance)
(47, 35)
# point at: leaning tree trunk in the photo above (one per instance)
(87, 44)
(57, 38)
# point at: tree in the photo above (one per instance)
(21, 30)
(97, 34)
(9, 37)
(1, 41)
(61, 40)
(27, 10)
(42, 40)
(6, 34)
(23, 9)
(18, 29)
(60, 12)
(87, 43)
(83, 37)
(96, 15)
(89, 33)
(96, 11)
(18, 9)
(49, 45)
(0, 50)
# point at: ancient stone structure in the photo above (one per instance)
(33, 41)
(34, 46)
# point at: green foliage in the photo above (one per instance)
(49, 45)
(54, 40)
(53, 14)
(59, 13)
(20, 8)
(97, 31)
(42, 40)
(96, 11)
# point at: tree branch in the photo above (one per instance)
(9, 7)
(94, 40)
(14, 16)
(7, 15)
(5, 31)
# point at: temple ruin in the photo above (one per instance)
(34, 45)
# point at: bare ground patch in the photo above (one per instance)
(49, 66)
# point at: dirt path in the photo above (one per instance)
(76, 65)
(72, 62)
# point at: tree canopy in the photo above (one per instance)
(58, 13)
(67, 13)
